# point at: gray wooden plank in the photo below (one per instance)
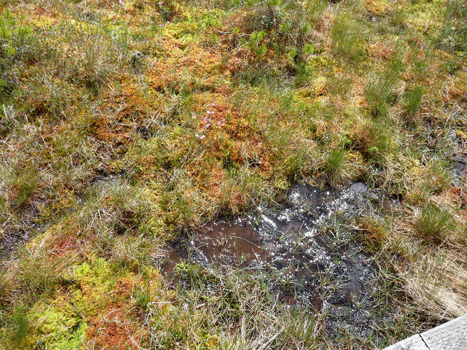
(449, 336)
(415, 342)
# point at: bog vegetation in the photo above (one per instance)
(126, 123)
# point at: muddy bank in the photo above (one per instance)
(306, 246)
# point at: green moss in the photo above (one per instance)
(94, 274)
(57, 325)
(60, 323)
(94, 280)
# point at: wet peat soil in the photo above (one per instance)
(317, 262)
(14, 234)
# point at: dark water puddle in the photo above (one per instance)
(315, 262)
(231, 243)
(10, 239)
(14, 234)
(459, 170)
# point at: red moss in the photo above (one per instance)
(115, 330)
(65, 246)
(115, 326)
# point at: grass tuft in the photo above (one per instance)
(434, 224)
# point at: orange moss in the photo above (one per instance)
(225, 90)
(381, 51)
(108, 4)
(373, 232)
(459, 90)
(38, 15)
(236, 20)
(124, 109)
(116, 325)
(376, 6)
(115, 133)
(238, 60)
(115, 333)
(65, 246)
(40, 12)
(230, 136)
(458, 198)
(201, 62)
(208, 175)
(195, 65)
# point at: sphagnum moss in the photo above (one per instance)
(100, 165)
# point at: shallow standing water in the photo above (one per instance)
(306, 246)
